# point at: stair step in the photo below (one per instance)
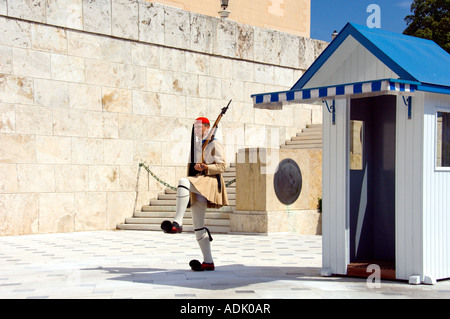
(307, 138)
(171, 208)
(309, 146)
(186, 221)
(313, 129)
(315, 134)
(188, 214)
(187, 229)
(304, 142)
(174, 196)
(173, 202)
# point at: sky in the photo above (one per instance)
(330, 15)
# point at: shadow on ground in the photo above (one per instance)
(224, 277)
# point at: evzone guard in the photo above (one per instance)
(203, 188)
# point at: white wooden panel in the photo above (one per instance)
(335, 228)
(409, 189)
(351, 62)
(436, 196)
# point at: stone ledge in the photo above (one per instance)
(148, 22)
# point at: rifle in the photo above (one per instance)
(213, 130)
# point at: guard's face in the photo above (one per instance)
(200, 129)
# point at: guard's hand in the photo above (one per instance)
(200, 167)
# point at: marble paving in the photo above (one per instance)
(134, 264)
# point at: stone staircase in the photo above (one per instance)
(310, 138)
(217, 220)
(163, 208)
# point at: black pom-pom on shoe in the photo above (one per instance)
(166, 226)
(195, 265)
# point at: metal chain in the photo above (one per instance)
(156, 177)
(166, 184)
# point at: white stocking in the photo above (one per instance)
(198, 219)
(184, 187)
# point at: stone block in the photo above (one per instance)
(104, 178)
(289, 49)
(56, 213)
(225, 41)
(118, 152)
(151, 22)
(258, 209)
(307, 52)
(125, 18)
(87, 151)
(146, 103)
(34, 120)
(144, 54)
(33, 10)
(174, 60)
(46, 38)
(7, 118)
(148, 152)
(71, 178)
(16, 89)
(103, 125)
(119, 205)
(53, 149)
(52, 94)
(69, 122)
(31, 63)
(19, 214)
(85, 45)
(177, 28)
(117, 100)
(85, 97)
(132, 127)
(202, 33)
(3, 7)
(90, 208)
(6, 60)
(197, 63)
(65, 13)
(17, 148)
(100, 72)
(68, 68)
(221, 68)
(267, 46)
(15, 33)
(245, 42)
(8, 178)
(175, 105)
(38, 178)
(97, 16)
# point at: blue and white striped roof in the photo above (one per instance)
(386, 86)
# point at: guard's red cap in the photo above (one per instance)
(204, 120)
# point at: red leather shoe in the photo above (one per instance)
(196, 266)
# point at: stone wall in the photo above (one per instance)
(91, 88)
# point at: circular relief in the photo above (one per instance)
(287, 181)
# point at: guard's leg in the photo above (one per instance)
(182, 201)
(203, 236)
(183, 191)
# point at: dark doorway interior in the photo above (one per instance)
(372, 180)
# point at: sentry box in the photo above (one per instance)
(386, 153)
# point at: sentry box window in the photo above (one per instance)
(443, 140)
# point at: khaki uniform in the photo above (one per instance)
(206, 182)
